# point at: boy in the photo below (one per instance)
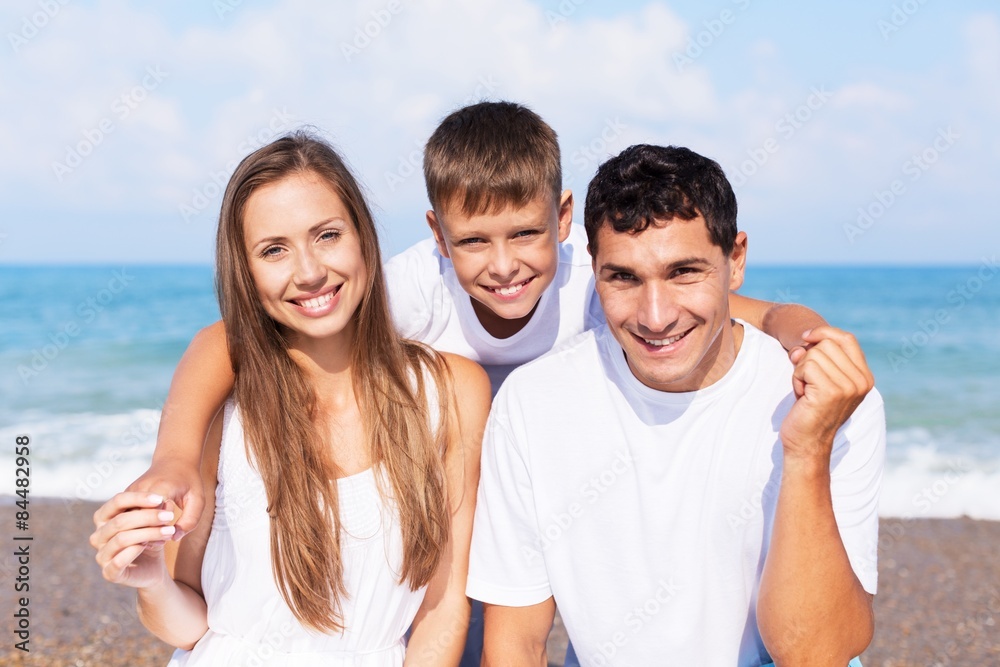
(505, 279)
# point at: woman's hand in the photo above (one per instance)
(131, 530)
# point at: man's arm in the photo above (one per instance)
(812, 609)
(785, 322)
(202, 382)
(516, 636)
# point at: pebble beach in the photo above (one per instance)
(938, 601)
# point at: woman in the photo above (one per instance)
(344, 467)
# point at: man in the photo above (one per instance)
(683, 490)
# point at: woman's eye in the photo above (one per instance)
(329, 235)
(273, 251)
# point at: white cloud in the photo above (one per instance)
(226, 78)
(982, 33)
(591, 71)
(871, 96)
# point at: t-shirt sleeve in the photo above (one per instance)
(506, 566)
(856, 468)
(595, 313)
(410, 278)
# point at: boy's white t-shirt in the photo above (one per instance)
(647, 515)
(429, 305)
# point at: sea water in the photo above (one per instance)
(86, 356)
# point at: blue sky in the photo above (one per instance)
(855, 132)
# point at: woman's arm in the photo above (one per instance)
(202, 382)
(129, 538)
(183, 563)
(784, 321)
(440, 626)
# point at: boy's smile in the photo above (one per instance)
(505, 260)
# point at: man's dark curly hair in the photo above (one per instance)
(645, 183)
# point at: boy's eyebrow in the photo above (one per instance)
(676, 264)
(312, 230)
(512, 228)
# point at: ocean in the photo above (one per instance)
(87, 354)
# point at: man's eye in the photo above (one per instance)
(622, 276)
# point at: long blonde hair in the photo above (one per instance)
(278, 404)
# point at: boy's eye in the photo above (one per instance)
(526, 233)
(471, 241)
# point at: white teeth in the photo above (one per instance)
(317, 302)
(664, 341)
(513, 289)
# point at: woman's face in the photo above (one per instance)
(305, 256)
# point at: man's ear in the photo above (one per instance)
(565, 214)
(738, 262)
(438, 233)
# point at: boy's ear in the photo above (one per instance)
(565, 214)
(738, 262)
(436, 230)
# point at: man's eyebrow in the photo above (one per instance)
(615, 268)
(687, 261)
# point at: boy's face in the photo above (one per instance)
(665, 294)
(505, 260)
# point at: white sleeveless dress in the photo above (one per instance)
(249, 622)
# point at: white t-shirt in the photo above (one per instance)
(646, 514)
(429, 305)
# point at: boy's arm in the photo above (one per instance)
(202, 382)
(785, 322)
(440, 625)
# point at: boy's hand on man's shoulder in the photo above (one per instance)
(830, 380)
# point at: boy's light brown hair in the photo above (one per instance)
(490, 156)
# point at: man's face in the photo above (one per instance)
(505, 260)
(665, 293)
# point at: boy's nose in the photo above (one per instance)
(503, 264)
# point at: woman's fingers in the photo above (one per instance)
(124, 501)
(120, 551)
(131, 520)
